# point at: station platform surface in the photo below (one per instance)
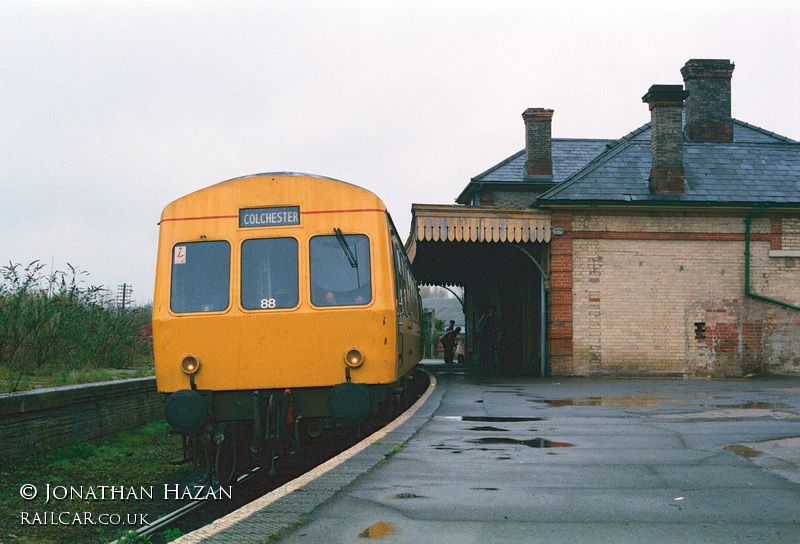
(561, 460)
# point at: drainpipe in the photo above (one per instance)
(543, 329)
(747, 290)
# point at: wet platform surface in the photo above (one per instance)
(574, 460)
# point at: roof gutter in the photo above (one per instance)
(668, 204)
(747, 290)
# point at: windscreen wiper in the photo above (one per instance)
(351, 258)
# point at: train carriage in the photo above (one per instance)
(284, 305)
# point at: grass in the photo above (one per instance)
(48, 377)
(92, 375)
(130, 461)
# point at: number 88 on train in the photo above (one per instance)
(285, 308)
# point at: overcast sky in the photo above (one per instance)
(111, 110)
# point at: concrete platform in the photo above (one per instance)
(563, 460)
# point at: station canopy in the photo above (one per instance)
(447, 243)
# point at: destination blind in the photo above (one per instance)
(269, 217)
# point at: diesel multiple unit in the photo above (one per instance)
(284, 308)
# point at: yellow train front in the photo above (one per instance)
(284, 307)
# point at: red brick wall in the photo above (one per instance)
(560, 326)
(647, 293)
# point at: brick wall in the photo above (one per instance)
(509, 199)
(538, 141)
(34, 421)
(790, 233)
(559, 331)
(708, 107)
(663, 294)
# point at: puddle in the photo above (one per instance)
(488, 428)
(489, 419)
(743, 451)
(788, 390)
(641, 402)
(532, 443)
(702, 395)
(756, 406)
(647, 401)
(378, 530)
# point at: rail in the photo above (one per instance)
(290, 486)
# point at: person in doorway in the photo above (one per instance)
(451, 326)
(448, 341)
(488, 331)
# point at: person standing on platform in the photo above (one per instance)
(448, 341)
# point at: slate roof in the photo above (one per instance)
(569, 156)
(758, 167)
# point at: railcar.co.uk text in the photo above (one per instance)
(62, 493)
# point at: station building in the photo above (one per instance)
(672, 251)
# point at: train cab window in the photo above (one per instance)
(200, 277)
(269, 273)
(340, 270)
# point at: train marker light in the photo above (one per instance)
(354, 358)
(190, 365)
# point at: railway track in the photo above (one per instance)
(249, 486)
(171, 519)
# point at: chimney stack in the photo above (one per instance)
(538, 136)
(708, 108)
(666, 106)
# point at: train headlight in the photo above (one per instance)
(190, 365)
(354, 358)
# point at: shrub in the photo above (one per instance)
(430, 338)
(58, 323)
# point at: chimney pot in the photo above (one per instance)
(666, 106)
(538, 141)
(708, 108)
